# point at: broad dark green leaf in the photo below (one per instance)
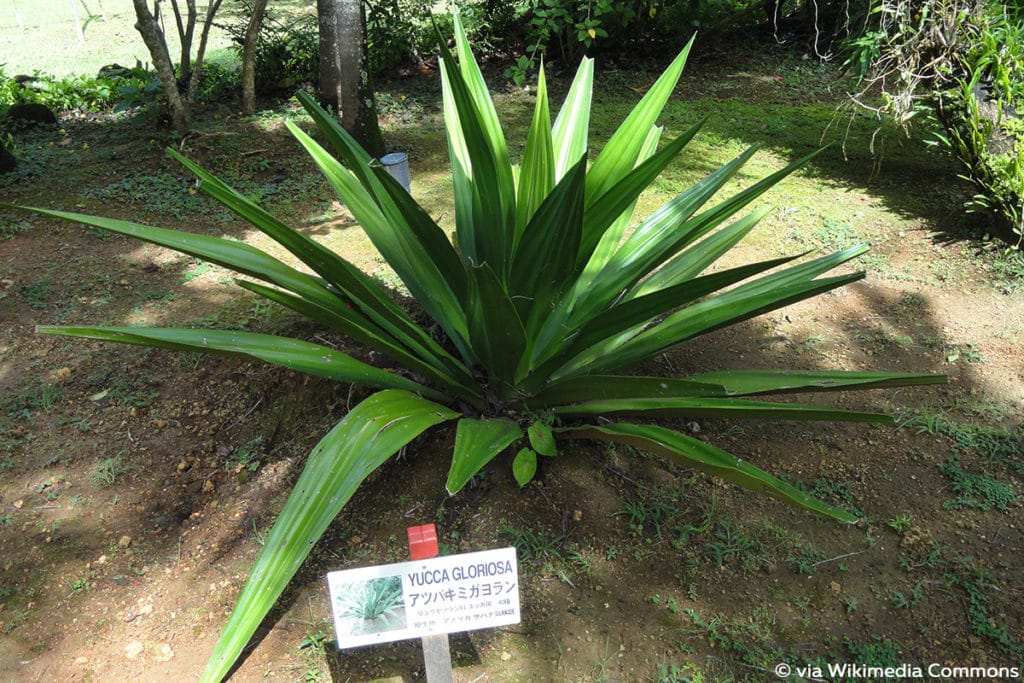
(371, 433)
(476, 444)
(473, 134)
(613, 234)
(697, 257)
(524, 466)
(654, 241)
(637, 312)
(357, 159)
(707, 458)
(397, 245)
(541, 439)
(709, 315)
(429, 235)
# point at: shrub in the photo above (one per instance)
(540, 302)
(960, 64)
(76, 93)
(287, 52)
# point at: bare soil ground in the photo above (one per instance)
(136, 486)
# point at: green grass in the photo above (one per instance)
(110, 37)
(106, 472)
(973, 490)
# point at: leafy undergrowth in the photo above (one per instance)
(136, 486)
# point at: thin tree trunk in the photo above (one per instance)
(186, 32)
(193, 84)
(147, 25)
(252, 32)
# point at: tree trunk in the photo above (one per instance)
(147, 24)
(249, 58)
(186, 31)
(193, 83)
(344, 77)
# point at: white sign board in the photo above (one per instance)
(425, 597)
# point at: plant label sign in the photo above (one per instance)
(427, 597)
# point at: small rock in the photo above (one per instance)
(133, 649)
(18, 504)
(62, 375)
(146, 609)
(129, 617)
(125, 541)
(160, 652)
(81, 661)
(208, 486)
(835, 587)
(31, 113)
(160, 424)
(577, 515)
(505, 655)
(102, 559)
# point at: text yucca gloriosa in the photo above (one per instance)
(542, 298)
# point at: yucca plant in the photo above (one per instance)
(541, 300)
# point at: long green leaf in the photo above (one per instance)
(633, 314)
(483, 161)
(616, 203)
(476, 444)
(726, 408)
(709, 315)
(495, 329)
(363, 292)
(429, 234)
(538, 170)
(397, 245)
(621, 151)
(656, 240)
(612, 234)
(546, 259)
(571, 130)
(591, 387)
(294, 354)
(490, 124)
(735, 305)
(753, 382)
(706, 458)
(370, 434)
(350, 323)
(237, 256)
(697, 257)
(350, 151)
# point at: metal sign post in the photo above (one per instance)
(437, 656)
